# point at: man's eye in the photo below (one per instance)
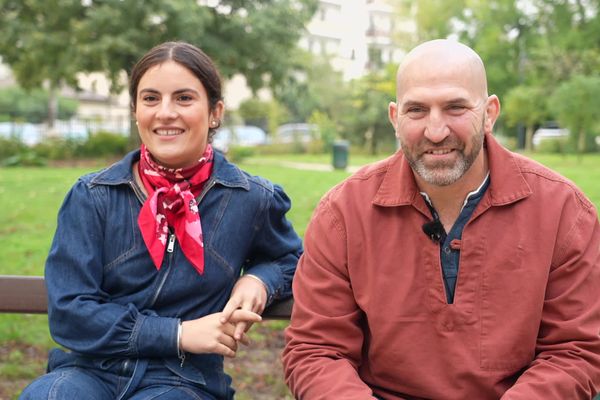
(456, 109)
(416, 111)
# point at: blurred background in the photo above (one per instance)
(307, 85)
(303, 73)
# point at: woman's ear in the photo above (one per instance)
(217, 113)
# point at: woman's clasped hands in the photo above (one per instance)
(220, 333)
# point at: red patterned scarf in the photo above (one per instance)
(172, 203)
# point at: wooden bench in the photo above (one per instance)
(27, 295)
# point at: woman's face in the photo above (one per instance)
(173, 114)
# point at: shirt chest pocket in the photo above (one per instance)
(511, 306)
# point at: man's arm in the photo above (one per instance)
(325, 337)
(567, 363)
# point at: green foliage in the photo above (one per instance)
(98, 145)
(24, 159)
(313, 85)
(32, 105)
(576, 103)
(237, 154)
(267, 115)
(555, 145)
(53, 40)
(57, 148)
(10, 147)
(368, 123)
(526, 105)
(103, 144)
(328, 130)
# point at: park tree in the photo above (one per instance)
(40, 43)
(576, 103)
(19, 105)
(526, 105)
(50, 41)
(266, 114)
(368, 122)
(253, 38)
(312, 84)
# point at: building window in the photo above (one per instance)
(375, 57)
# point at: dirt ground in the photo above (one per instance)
(256, 371)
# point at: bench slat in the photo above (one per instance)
(23, 294)
(27, 295)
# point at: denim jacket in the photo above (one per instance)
(109, 304)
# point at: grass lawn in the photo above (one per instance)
(30, 198)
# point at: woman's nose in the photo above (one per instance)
(166, 111)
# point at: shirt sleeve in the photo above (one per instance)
(325, 337)
(81, 315)
(567, 362)
(276, 248)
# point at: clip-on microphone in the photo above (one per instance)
(434, 229)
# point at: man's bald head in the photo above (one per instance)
(441, 60)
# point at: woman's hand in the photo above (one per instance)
(249, 293)
(210, 335)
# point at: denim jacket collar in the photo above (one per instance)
(120, 173)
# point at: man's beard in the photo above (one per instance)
(443, 173)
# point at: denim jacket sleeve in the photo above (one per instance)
(276, 248)
(82, 316)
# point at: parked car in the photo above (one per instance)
(296, 133)
(239, 135)
(549, 131)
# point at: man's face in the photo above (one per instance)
(440, 120)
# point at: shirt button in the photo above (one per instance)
(447, 250)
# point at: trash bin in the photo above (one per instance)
(340, 154)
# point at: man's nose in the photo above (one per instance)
(437, 129)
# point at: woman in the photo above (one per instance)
(161, 262)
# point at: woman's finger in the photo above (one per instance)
(232, 305)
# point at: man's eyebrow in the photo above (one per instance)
(412, 103)
(458, 100)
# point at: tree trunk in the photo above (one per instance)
(529, 138)
(134, 136)
(581, 142)
(52, 107)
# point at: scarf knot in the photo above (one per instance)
(171, 207)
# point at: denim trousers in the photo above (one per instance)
(135, 380)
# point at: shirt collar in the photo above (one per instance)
(506, 181)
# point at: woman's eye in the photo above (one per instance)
(149, 98)
(185, 98)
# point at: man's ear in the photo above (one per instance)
(492, 111)
(393, 115)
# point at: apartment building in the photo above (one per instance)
(356, 35)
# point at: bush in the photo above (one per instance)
(25, 158)
(558, 146)
(58, 148)
(10, 147)
(238, 153)
(102, 144)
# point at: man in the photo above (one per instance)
(454, 269)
